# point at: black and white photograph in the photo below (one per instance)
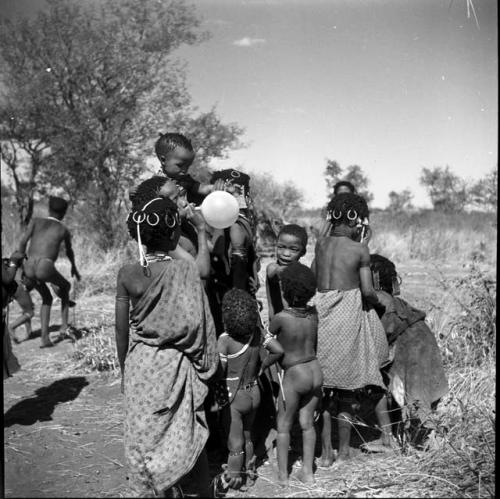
(249, 248)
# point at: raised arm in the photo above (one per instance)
(203, 255)
(122, 307)
(239, 257)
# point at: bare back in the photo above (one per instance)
(134, 282)
(297, 335)
(338, 261)
(45, 236)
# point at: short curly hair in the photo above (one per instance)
(154, 231)
(147, 190)
(298, 284)
(343, 183)
(169, 141)
(386, 271)
(240, 314)
(342, 207)
(297, 231)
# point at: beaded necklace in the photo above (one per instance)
(157, 257)
(299, 311)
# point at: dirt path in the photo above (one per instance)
(63, 434)
(62, 428)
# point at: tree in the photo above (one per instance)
(273, 199)
(354, 174)
(447, 191)
(400, 201)
(101, 83)
(332, 174)
(484, 193)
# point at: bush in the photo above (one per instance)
(472, 336)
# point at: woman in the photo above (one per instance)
(167, 351)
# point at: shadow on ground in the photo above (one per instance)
(40, 408)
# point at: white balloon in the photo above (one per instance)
(220, 209)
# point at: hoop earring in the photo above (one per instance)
(351, 218)
(157, 219)
(335, 216)
(235, 174)
(138, 217)
(170, 220)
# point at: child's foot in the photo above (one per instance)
(307, 478)
(379, 445)
(219, 486)
(323, 463)
(282, 480)
(71, 303)
(343, 457)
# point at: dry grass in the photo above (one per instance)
(460, 454)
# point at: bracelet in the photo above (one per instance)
(13, 264)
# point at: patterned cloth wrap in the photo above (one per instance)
(172, 353)
(352, 346)
(417, 376)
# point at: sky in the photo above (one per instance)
(390, 85)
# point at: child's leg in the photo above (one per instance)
(248, 424)
(235, 445)
(327, 454)
(306, 418)
(45, 313)
(23, 298)
(384, 421)
(286, 414)
(344, 428)
(61, 287)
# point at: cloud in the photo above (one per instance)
(249, 42)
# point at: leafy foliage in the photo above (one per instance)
(447, 191)
(484, 193)
(353, 173)
(400, 201)
(94, 85)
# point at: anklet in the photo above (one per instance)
(234, 454)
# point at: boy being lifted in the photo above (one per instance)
(46, 234)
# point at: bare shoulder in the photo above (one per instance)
(272, 269)
(127, 271)
(222, 343)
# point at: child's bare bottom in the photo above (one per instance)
(239, 418)
(302, 393)
(37, 272)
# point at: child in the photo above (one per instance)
(176, 155)
(351, 346)
(416, 374)
(290, 247)
(46, 236)
(296, 329)
(167, 351)
(239, 351)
